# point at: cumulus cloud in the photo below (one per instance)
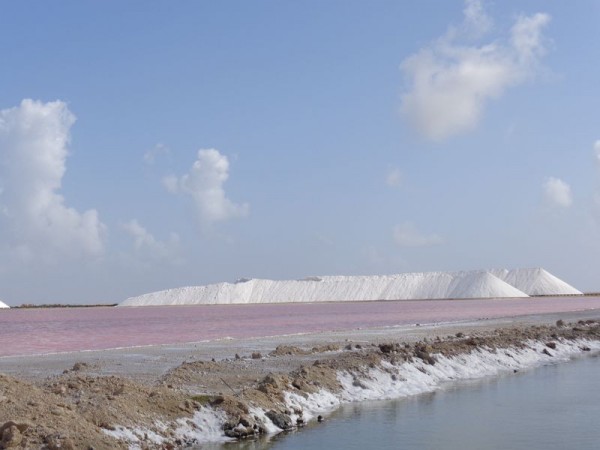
(36, 222)
(204, 183)
(407, 235)
(148, 247)
(557, 192)
(393, 177)
(449, 82)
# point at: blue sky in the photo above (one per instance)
(148, 145)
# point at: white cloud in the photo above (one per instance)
(557, 192)
(204, 183)
(158, 150)
(35, 221)
(450, 83)
(407, 235)
(477, 22)
(597, 150)
(148, 247)
(394, 178)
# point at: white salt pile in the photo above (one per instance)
(4, 305)
(536, 281)
(425, 285)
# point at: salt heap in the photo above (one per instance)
(3, 305)
(425, 285)
(536, 281)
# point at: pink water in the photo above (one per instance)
(38, 331)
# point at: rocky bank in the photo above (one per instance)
(248, 394)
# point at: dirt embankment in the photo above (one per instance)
(75, 409)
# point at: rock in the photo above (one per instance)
(237, 356)
(183, 407)
(387, 348)
(67, 444)
(256, 355)
(287, 350)
(300, 384)
(460, 334)
(106, 426)
(59, 390)
(79, 366)
(585, 349)
(299, 422)
(546, 352)
(21, 426)
(11, 437)
(280, 420)
(246, 421)
(560, 323)
(358, 383)
(272, 384)
(239, 431)
(551, 345)
(319, 419)
(425, 356)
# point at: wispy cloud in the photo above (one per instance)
(204, 184)
(35, 220)
(407, 235)
(394, 177)
(476, 22)
(155, 152)
(557, 193)
(450, 81)
(148, 248)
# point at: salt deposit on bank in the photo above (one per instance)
(4, 305)
(375, 382)
(498, 283)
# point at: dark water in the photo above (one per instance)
(552, 407)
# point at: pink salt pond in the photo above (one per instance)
(40, 331)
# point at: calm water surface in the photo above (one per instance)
(32, 331)
(550, 408)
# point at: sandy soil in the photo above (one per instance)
(70, 400)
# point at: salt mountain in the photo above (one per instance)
(3, 305)
(495, 283)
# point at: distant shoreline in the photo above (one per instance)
(62, 305)
(111, 305)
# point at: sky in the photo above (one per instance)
(146, 145)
